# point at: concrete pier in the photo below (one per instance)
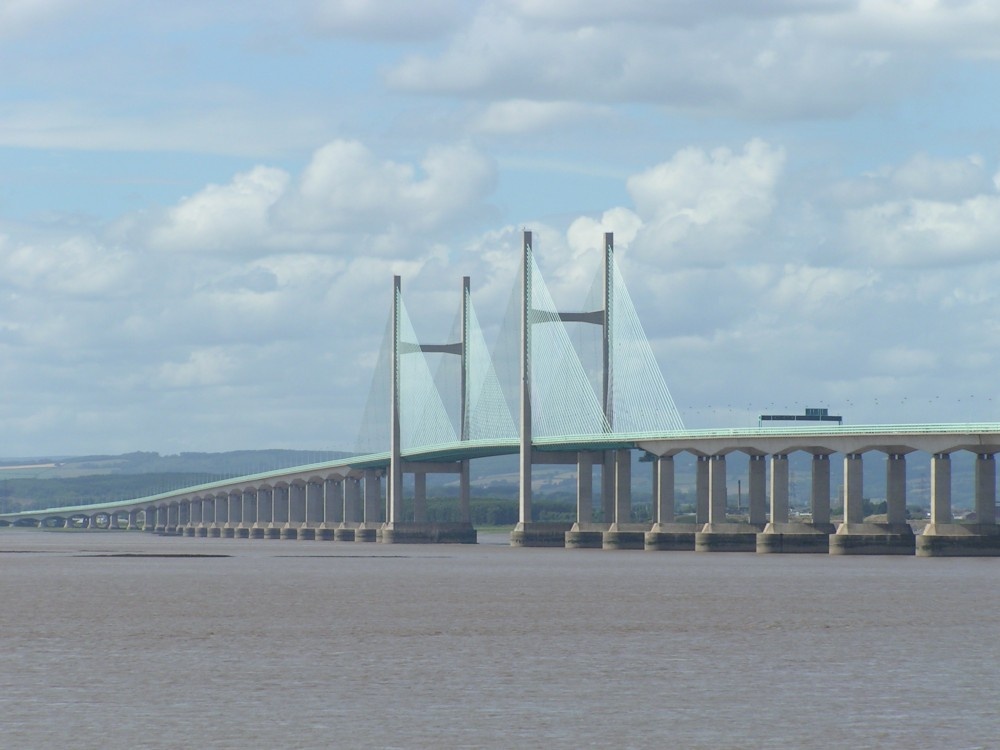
(540, 534)
(665, 534)
(371, 524)
(782, 536)
(624, 533)
(855, 536)
(719, 534)
(585, 534)
(429, 533)
(943, 537)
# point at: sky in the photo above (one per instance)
(202, 204)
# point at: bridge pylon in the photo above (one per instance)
(615, 496)
(397, 529)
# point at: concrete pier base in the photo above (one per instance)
(272, 532)
(586, 536)
(959, 540)
(540, 534)
(215, 533)
(429, 533)
(325, 534)
(727, 537)
(366, 533)
(873, 539)
(258, 532)
(344, 533)
(625, 536)
(229, 533)
(307, 534)
(795, 538)
(671, 537)
(186, 531)
(288, 532)
(201, 532)
(243, 532)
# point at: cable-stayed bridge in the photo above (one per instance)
(579, 388)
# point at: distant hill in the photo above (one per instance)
(50, 481)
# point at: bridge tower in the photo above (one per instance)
(396, 529)
(537, 534)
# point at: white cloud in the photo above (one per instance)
(346, 188)
(525, 116)
(389, 19)
(224, 217)
(927, 233)
(777, 59)
(698, 206)
(203, 367)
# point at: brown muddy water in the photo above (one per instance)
(124, 640)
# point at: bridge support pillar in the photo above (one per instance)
(333, 509)
(782, 535)
(149, 519)
(371, 524)
(264, 513)
(352, 510)
(296, 511)
(585, 534)
(942, 537)
(719, 534)
(666, 534)
(248, 517)
(701, 491)
(855, 536)
(624, 533)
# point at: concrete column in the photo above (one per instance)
(854, 510)
(758, 490)
(664, 489)
(941, 489)
(352, 500)
(584, 487)
(464, 502)
(249, 508)
(820, 500)
(133, 520)
(265, 506)
(701, 490)
(623, 486)
(779, 488)
(173, 517)
(608, 487)
(149, 518)
(895, 488)
(373, 497)
(296, 504)
(986, 489)
(333, 500)
(235, 508)
(420, 497)
(162, 518)
(314, 504)
(280, 505)
(717, 492)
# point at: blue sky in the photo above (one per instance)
(202, 204)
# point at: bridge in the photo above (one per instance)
(578, 411)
